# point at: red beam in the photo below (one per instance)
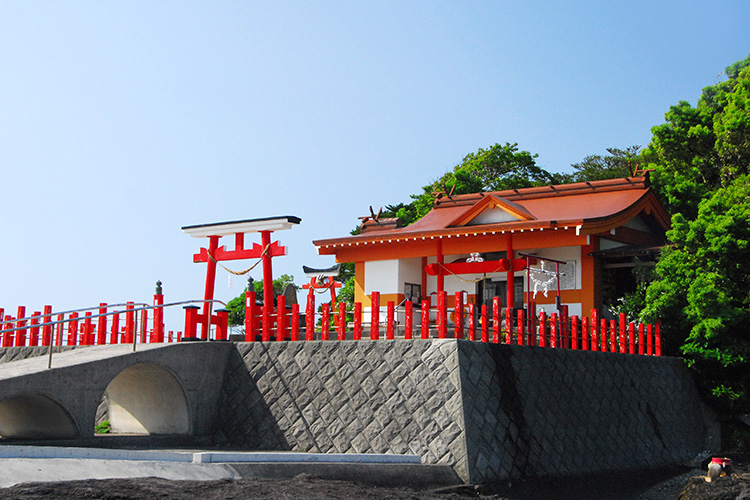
(487, 266)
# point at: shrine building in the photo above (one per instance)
(588, 232)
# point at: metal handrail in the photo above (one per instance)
(143, 307)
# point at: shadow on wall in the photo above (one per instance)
(35, 416)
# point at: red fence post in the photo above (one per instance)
(532, 325)
(101, 325)
(88, 330)
(496, 320)
(408, 319)
(650, 339)
(310, 317)
(520, 327)
(357, 333)
(603, 334)
(73, 329)
(294, 333)
(425, 320)
(585, 334)
(21, 323)
(249, 316)
(657, 338)
(222, 324)
(375, 316)
(325, 317)
(130, 324)
(280, 318)
(542, 329)
(622, 332)
(47, 328)
(60, 328)
(115, 329)
(640, 338)
(631, 338)
(2, 327)
(594, 334)
(565, 339)
(389, 320)
(508, 325)
(472, 315)
(341, 322)
(483, 322)
(159, 314)
(8, 336)
(458, 315)
(612, 336)
(144, 326)
(553, 331)
(574, 332)
(191, 324)
(442, 315)
(34, 329)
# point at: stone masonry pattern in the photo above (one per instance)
(346, 397)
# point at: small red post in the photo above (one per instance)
(341, 327)
(542, 329)
(34, 329)
(574, 332)
(325, 318)
(375, 316)
(458, 315)
(280, 318)
(657, 338)
(408, 319)
(631, 338)
(2, 327)
(603, 335)
(483, 321)
(442, 315)
(159, 314)
(472, 314)
(532, 326)
(585, 333)
(612, 336)
(144, 325)
(73, 329)
(389, 320)
(249, 316)
(594, 326)
(650, 339)
(565, 339)
(425, 326)
(294, 334)
(46, 329)
(60, 328)
(520, 327)
(191, 324)
(130, 324)
(310, 317)
(115, 329)
(21, 323)
(553, 331)
(222, 324)
(8, 336)
(170, 336)
(496, 320)
(101, 325)
(508, 325)
(622, 332)
(357, 334)
(641, 339)
(266, 321)
(88, 330)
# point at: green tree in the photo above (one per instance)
(700, 149)
(619, 163)
(704, 290)
(236, 306)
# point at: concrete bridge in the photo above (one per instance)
(491, 412)
(159, 389)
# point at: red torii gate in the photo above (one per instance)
(215, 253)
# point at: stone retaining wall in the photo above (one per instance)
(491, 411)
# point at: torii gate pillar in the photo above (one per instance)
(265, 251)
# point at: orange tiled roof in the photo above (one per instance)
(592, 207)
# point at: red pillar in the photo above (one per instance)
(191, 324)
(425, 326)
(495, 320)
(159, 314)
(442, 314)
(325, 318)
(657, 338)
(472, 315)
(357, 334)
(508, 325)
(649, 339)
(265, 241)
(341, 326)
(130, 324)
(622, 332)
(60, 328)
(294, 334)
(88, 330)
(46, 329)
(34, 329)
(375, 316)
(408, 319)
(21, 323)
(542, 329)
(310, 317)
(213, 245)
(594, 326)
(520, 327)
(574, 332)
(631, 338)
(585, 333)
(458, 315)
(73, 329)
(484, 325)
(640, 339)
(440, 278)
(510, 276)
(115, 329)
(222, 324)
(280, 318)
(389, 313)
(553, 341)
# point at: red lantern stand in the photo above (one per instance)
(215, 254)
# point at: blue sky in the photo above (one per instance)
(121, 122)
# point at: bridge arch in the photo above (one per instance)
(35, 416)
(147, 398)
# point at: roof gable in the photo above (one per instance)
(492, 209)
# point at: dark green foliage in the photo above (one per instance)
(619, 163)
(236, 306)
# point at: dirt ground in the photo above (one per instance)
(663, 484)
